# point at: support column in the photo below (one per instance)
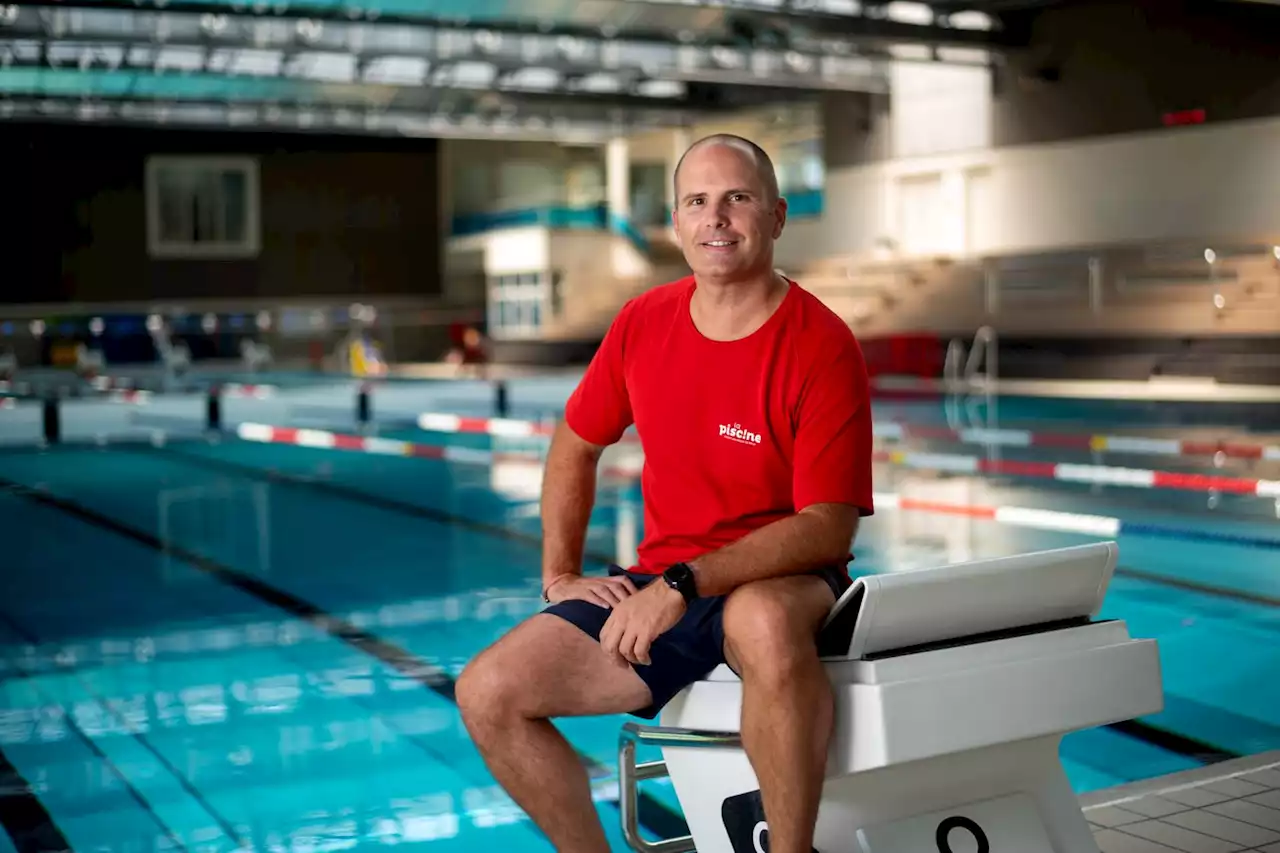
(681, 139)
(617, 181)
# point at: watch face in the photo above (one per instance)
(680, 577)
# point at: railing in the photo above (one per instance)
(985, 347)
(1135, 271)
(630, 774)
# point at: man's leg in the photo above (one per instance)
(787, 705)
(546, 667)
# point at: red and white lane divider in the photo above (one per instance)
(1035, 519)
(1105, 475)
(130, 395)
(505, 427)
(628, 468)
(323, 439)
(1101, 443)
(257, 392)
(434, 422)
(1103, 526)
(1095, 474)
(124, 386)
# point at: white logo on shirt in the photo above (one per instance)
(737, 433)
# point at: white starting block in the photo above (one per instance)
(953, 688)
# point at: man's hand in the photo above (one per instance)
(605, 592)
(638, 621)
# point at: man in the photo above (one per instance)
(750, 399)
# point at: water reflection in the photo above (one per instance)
(475, 606)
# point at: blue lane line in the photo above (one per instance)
(1162, 532)
(25, 818)
(66, 685)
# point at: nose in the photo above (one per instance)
(718, 214)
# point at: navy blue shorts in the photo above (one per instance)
(686, 653)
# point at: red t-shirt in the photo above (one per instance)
(736, 434)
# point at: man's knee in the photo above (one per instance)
(770, 627)
(491, 686)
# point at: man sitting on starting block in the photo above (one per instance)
(751, 400)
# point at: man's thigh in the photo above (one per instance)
(804, 601)
(685, 653)
(548, 667)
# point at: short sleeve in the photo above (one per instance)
(833, 450)
(599, 409)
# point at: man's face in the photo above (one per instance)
(724, 216)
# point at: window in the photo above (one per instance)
(517, 305)
(200, 207)
(800, 167)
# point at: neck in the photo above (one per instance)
(727, 311)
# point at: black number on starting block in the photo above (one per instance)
(944, 832)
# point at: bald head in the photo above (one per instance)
(763, 165)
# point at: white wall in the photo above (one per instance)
(487, 175)
(853, 217)
(538, 249)
(606, 254)
(939, 109)
(1192, 182)
(1187, 183)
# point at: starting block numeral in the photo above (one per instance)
(1004, 825)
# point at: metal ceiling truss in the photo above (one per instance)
(846, 27)
(507, 67)
(363, 52)
(524, 124)
(869, 24)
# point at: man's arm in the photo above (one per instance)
(816, 536)
(595, 416)
(568, 495)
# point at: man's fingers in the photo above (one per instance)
(640, 652)
(624, 582)
(610, 637)
(609, 592)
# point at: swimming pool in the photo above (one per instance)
(212, 643)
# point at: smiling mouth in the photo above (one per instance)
(719, 244)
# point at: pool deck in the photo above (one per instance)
(1226, 807)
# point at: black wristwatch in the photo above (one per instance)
(680, 578)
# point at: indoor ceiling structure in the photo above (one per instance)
(568, 70)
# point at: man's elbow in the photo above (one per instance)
(838, 525)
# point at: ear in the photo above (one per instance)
(779, 217)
